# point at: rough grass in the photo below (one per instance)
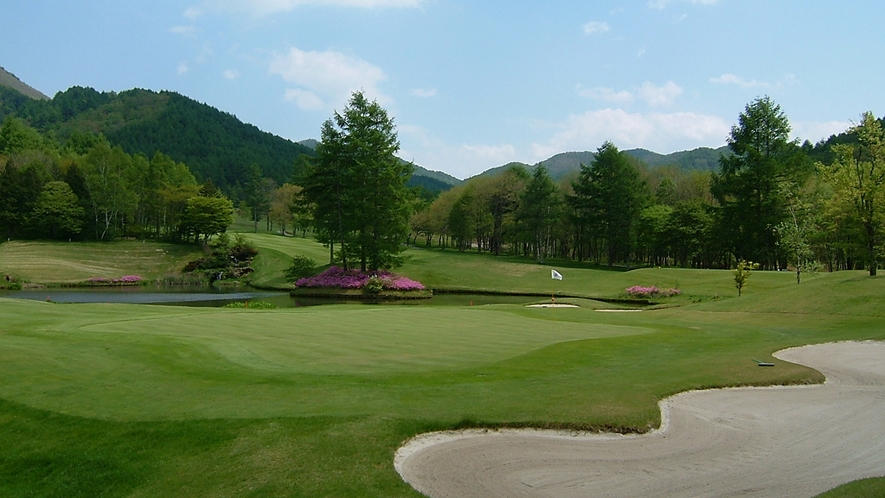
(64, 263)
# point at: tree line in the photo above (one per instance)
(772, 201)
(88, 190)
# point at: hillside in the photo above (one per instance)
(10, 80)
(215, 145)
(565, 163)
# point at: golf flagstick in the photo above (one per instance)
(555, 275)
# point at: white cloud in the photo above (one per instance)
(231, 74)
(661, 4)
(605, 94)
(497, 154)
(816, 131)
(188, 31)
(732, 79)
(659, 132)
(304, 99)
(594, 27)
(424, 93)
(183, 68)
(261, 8)
(461, 161)
(659, 96)
(653, 95)
(193, 13)
(330, 77)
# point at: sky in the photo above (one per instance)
(474, 84)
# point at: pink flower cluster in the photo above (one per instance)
(128, 279)
(338, 277)
(645, 292)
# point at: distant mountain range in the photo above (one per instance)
(218, 146)
(565, 163)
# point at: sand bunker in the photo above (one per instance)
(778, 441)
(550, 305)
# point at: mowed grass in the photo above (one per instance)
(127, 400)
(64, 263)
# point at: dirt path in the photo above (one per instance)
(780, 441)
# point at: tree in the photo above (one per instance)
(858, 179)
(742, 272)
(281, 201)
(107, 172)
(207, 216)
(746, 186)
(609, 195)
(357, 186)
(258, 194)
(57, 214)
(538, 211)
(797, 230)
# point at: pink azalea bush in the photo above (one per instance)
(340, 278)
(128, 279)
(639, 291)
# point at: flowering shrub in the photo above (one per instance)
(340, 278)
(128, 279)
(639, 291)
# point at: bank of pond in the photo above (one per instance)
(207, 296)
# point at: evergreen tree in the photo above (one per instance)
(57, 213)
(357, 186)
(609, 195)
(746, 186)
(538, 211)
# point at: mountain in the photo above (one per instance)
(215, 145)
(565, 163)
(500, 169)
(702, 158)
(9, 80)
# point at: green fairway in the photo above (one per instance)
(129, 400)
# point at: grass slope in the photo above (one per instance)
(65, 263)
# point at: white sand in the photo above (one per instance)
(778, 441)
(550, 305)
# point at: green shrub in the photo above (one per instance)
(302, 267)
(374, 285)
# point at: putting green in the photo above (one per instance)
(88, 359)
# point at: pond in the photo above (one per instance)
(215, 297)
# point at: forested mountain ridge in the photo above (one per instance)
(561, 165)
(215, 145)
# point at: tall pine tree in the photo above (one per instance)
(356, 187)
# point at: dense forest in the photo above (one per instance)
(215, 145)
(771, 200)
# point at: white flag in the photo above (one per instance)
(556, 275)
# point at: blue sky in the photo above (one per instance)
(474, 84)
